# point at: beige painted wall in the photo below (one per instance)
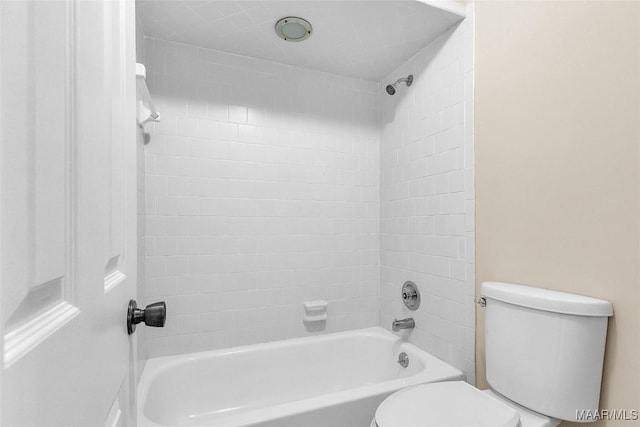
(558, 163)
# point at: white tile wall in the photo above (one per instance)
(269, 185)
(427, 197)
(262, 192)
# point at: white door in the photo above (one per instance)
(67, 211)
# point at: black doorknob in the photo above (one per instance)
(153, 315)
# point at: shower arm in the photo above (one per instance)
(408, 80)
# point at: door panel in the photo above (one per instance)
(36, 220)
(67, 243)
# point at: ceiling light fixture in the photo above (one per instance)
(293, 29)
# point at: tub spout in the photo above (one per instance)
(407, 323)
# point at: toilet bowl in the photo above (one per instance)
(454, 404)
(544, 354)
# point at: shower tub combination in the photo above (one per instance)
(336, 379)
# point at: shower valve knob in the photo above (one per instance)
(153, 315)
(410, 295)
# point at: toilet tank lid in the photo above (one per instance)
(546, 299)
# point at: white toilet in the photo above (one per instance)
(544, 354)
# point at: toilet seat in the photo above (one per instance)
(451, 403)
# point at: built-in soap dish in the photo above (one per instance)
(315, 311)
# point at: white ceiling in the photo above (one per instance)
(363, 39)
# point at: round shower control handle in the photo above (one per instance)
(153, 315)
(410, 295)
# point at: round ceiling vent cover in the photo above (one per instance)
(293, 29)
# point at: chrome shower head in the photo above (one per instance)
(391, 89)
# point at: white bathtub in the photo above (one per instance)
(333, 380)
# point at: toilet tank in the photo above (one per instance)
(545, 349)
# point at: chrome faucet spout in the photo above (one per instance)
(407, 323)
